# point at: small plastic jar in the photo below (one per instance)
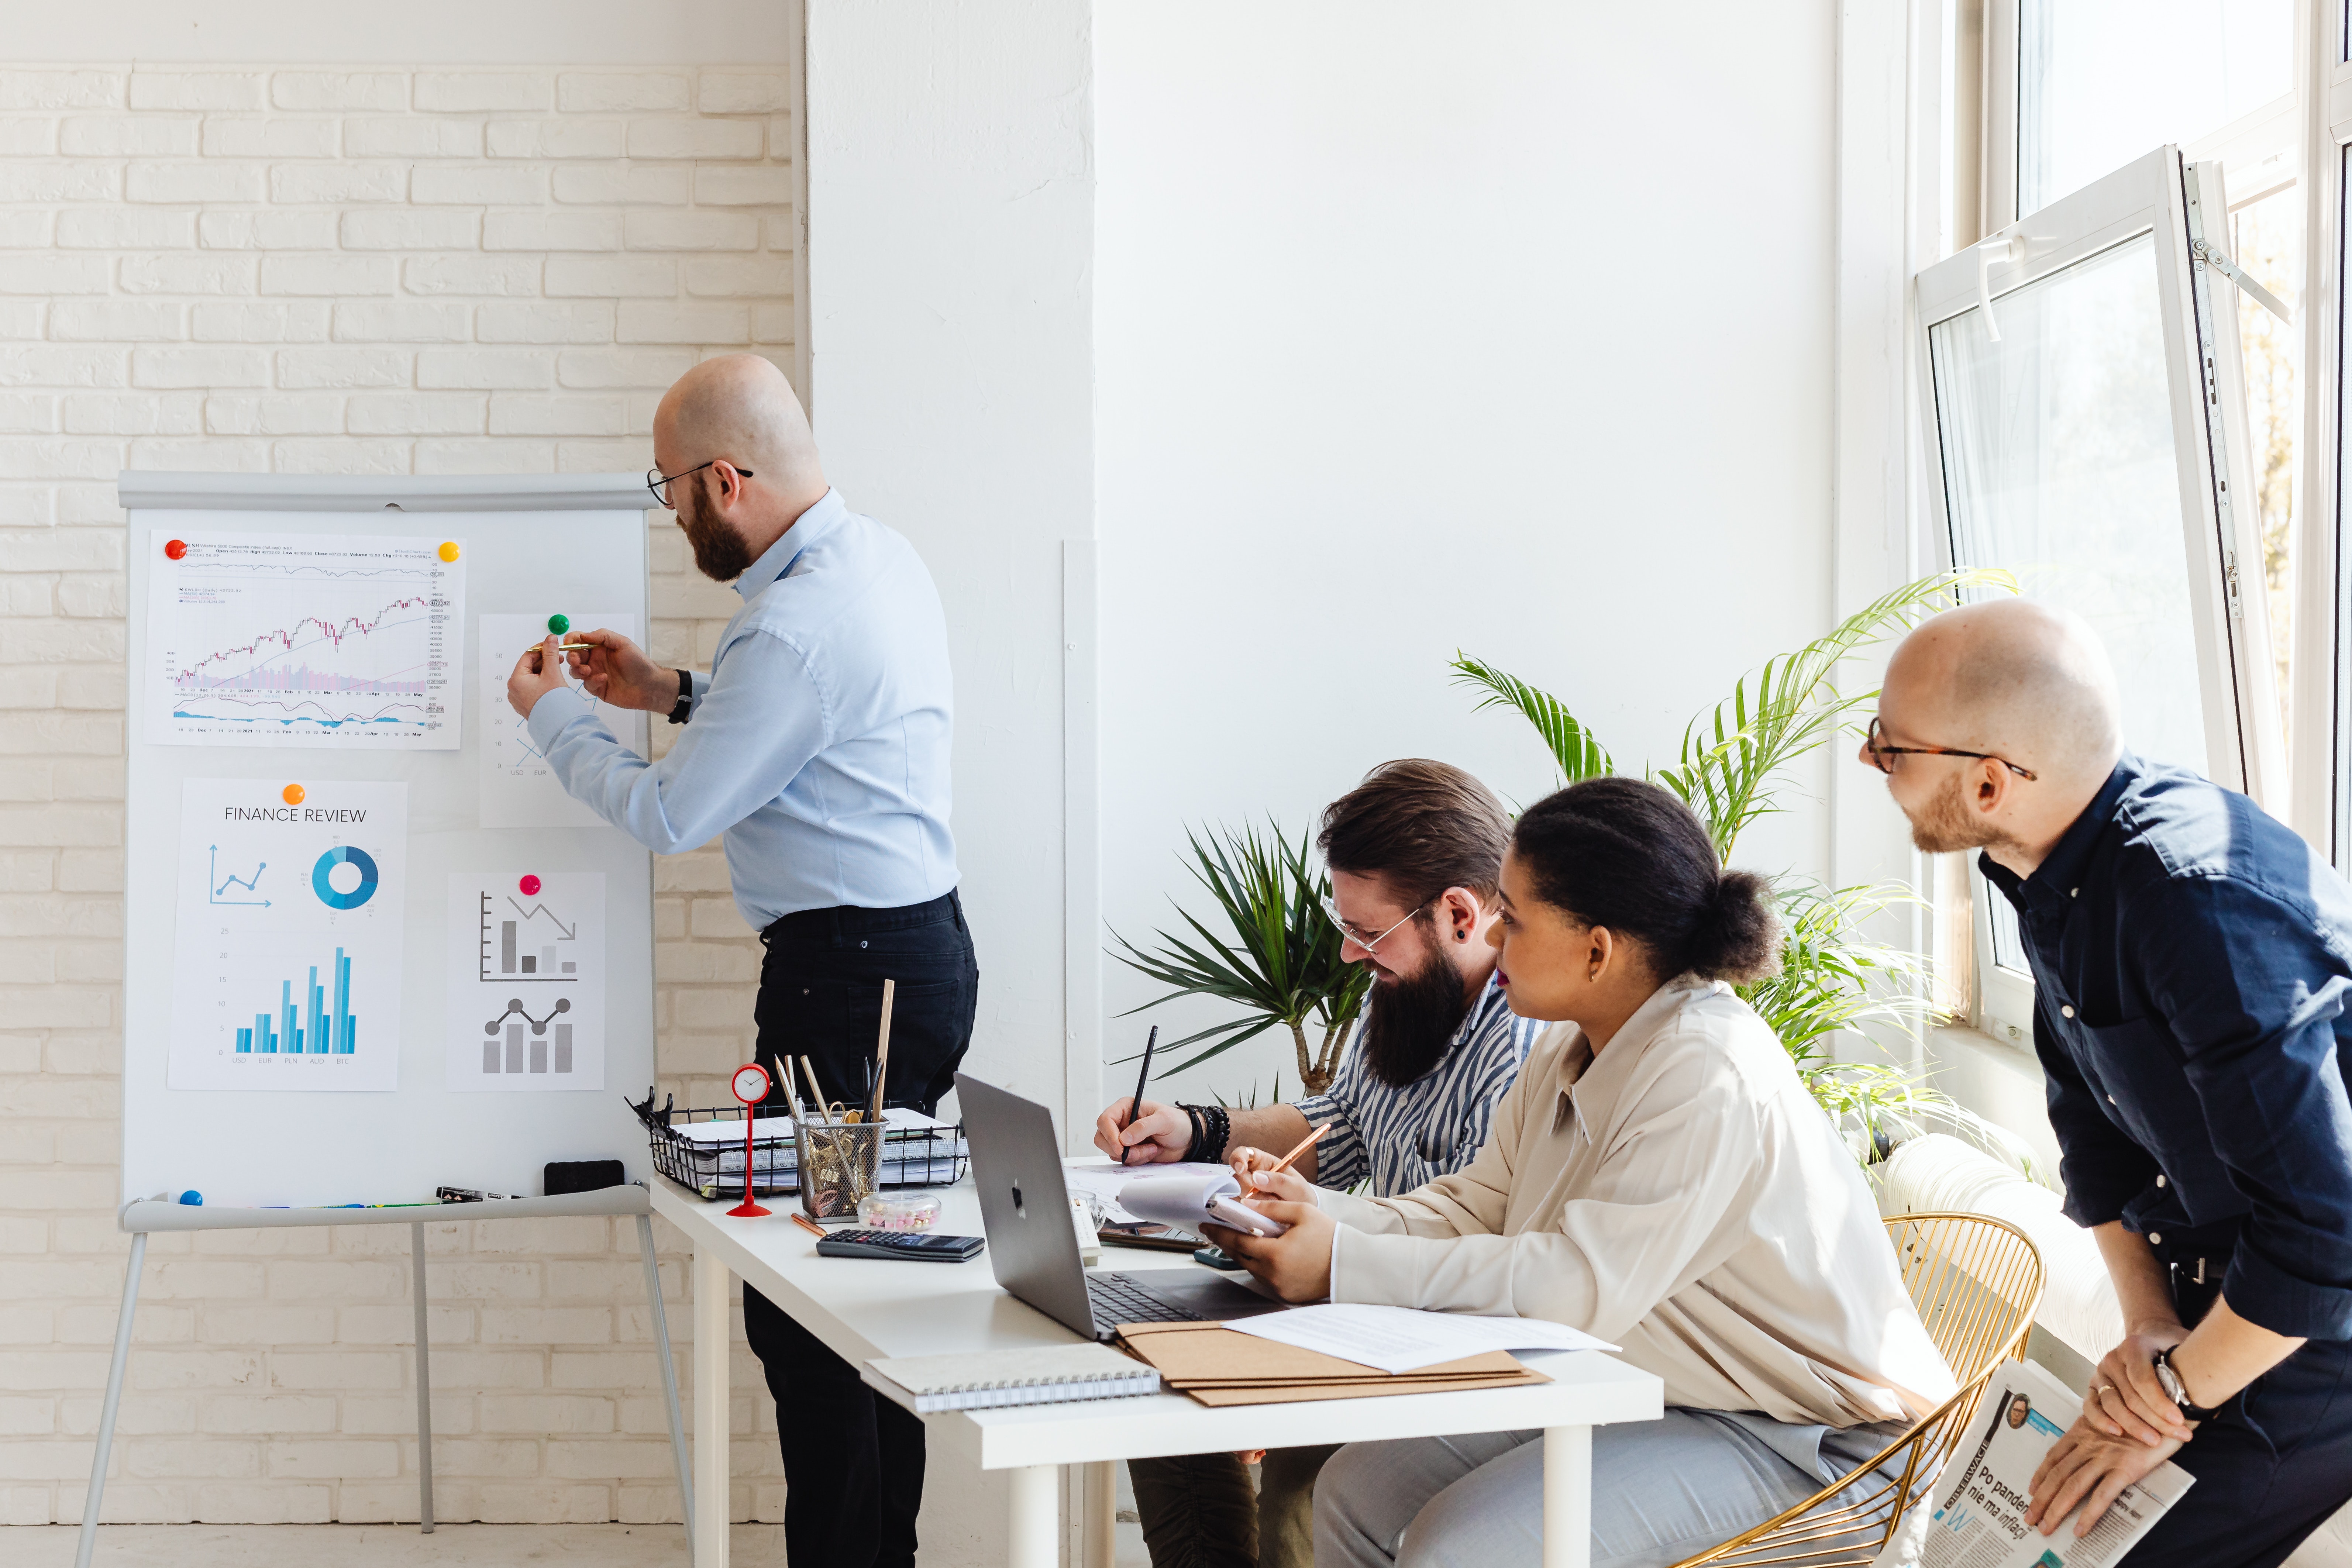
(898, 1211)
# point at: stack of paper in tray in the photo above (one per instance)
(1218, 1366)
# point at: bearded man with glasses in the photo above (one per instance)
(816, 750)
(1416, 860)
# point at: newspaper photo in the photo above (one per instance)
(1976, 1518)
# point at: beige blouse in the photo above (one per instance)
(1681, 1195)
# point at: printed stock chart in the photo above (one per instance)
(307, 640)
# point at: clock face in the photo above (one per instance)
(751, 1083)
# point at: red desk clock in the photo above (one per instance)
(751, 1086)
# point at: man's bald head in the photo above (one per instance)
(2023, 681)
(741, 409)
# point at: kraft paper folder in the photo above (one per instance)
(1218, 1367)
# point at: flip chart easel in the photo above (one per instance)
(530, 545)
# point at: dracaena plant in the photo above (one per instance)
(1834, 978)
(1278, 958)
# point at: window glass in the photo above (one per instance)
(2266, 239)
(2100, 82)
(2059, 466)
(2008, 946)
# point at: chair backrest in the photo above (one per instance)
(1977, 1282)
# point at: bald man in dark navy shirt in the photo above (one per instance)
(2192, 960)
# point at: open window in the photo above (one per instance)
(2087, 412)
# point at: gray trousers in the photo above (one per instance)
(1661, 1490)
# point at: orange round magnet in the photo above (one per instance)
(293, 794)
(448, 551)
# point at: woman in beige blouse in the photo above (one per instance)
(1658, 1176)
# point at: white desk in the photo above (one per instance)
(864, 1310)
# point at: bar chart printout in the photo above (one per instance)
(339, 641)
(287, 949)
(320, 1032)
(526, 982)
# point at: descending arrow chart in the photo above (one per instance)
(526, 1007)
(307, 640)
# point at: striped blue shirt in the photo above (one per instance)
(1432, 1126)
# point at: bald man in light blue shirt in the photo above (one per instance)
(816, 750)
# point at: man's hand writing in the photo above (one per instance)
(1160, 1134)
(616, 670)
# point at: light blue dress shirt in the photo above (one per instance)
(818, 745)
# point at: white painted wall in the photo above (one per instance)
(437, 31)
(1419, 327)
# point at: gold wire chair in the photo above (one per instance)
(1977, 1282)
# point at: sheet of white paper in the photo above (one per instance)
(1978, 1517)
(328, 641)
(780, 1127)
(525, 982)
(1193, 1201)
(1106, 1179)
(287, 961)
(1400, 1338)
(519, 789)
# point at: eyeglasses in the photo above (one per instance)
(1881, 755)
(658, 482)
(1370, 944)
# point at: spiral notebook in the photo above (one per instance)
(991, 1380)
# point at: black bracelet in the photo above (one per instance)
(1211, 1127)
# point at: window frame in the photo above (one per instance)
(2179, 201)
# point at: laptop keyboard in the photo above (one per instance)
(1117, 1301)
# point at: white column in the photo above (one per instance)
(1036, 1514)
(712, 1511)
(1102, 1513)
(1568, 1497)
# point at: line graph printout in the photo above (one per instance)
(519, 789)
(525, 982)
(286, 967)
(312, 641)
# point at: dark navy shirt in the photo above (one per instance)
(2192, 958)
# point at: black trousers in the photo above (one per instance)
(853, 1460)
(2273, 1467)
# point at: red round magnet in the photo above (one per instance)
(177, 548)
(530, 885)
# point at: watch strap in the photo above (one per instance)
(684, 708)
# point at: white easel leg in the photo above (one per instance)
(711, 1507)
(114, 1400)
(423, 1390)
(1101, 1490)
(1036, 1516)
(1568, 1497)
(669, 1376)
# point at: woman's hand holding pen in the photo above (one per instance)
(1296, 1265)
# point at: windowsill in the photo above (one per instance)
(1998, 1081)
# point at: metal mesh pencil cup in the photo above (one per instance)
(839, 1161)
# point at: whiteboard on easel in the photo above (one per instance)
(373, 947)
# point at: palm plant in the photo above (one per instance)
(1280, 964)
(1834, 978)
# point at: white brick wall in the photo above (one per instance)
(310, 269)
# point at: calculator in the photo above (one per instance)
(915, 1246)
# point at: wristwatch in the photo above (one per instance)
(2177, 1391)
(679, 714)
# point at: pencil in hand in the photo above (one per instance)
(1284, 1163)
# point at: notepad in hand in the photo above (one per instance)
(991, 1380)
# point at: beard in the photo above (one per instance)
(719, 552)
(1945, 825)
(1410, 1020)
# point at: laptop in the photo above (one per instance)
(1024, 1206)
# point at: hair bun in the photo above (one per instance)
(1738, 934)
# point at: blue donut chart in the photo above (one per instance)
(344, 854)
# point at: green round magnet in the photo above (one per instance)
(559, 625)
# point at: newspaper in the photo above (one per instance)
(1978, 1516)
